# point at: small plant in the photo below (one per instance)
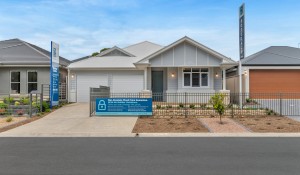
(17, 103)
(217, 101)
(180, 105)
(48, 110)
(3, 106)
(9, 119)
(203, 106)
(8, 100)
(24, 100)
(169, 106)
(248, 100)
(158, 106)
(192, 106)
(20, 112)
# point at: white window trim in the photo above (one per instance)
(37, 79)
(10, 91)
(199, 87)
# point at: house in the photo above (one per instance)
(24, 67)
(275, 69)
(183, 66)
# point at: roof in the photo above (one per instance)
(135, 52)
(225, 59)
(274, 56)
(18, 52)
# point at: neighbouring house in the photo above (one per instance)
(24, 67)
(275, 69)
(182, 66)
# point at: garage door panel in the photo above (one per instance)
(274, 81)
(131, 82)
(87, 80)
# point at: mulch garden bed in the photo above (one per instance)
(170, 125)
(269, 124)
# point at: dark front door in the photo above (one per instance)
(157, 85)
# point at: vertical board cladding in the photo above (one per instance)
(172, 81)
(202, 58)
(179, 55)
(190, 55)
(217, 80)
(167, 58)
(213, 61)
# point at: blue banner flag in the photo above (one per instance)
(54, 74)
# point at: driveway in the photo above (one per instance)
(73, 120)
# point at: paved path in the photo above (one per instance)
(228, 126)
(73, 120)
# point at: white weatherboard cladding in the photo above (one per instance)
(127, 81)
(172, 81)
(184, 54)
(85, 80)
(218, 80)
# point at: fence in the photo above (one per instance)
(19, 104)
(101, 92)
(45, 91)
(197, 104)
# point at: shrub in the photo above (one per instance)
(48, 110)
(3, 106)
(17, 103)
(9, 119)
(8, 100)
(192, 106)
(24, 100)
(180, 105)
(203, 106)
(158, 106)
(169, 106)
(46, 106)
(217, 101)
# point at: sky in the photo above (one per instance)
(82, 27)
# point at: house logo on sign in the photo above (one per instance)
(101, 105)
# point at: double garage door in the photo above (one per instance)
(274, 81)
(118, 81)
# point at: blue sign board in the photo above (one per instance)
(123, 106)
(54, 74)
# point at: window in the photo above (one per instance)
(32, 81)
(195, 77)
(15, 78)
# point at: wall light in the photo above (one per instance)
(245, 73)
(173, 74)
(217, 75)
(72, 76)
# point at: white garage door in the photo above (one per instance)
(85, 80)
(118, 81)
(127, 81)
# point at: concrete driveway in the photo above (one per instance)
(73, 121)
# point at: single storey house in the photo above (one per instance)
(275, 69)
(24, 67)
(183, 66)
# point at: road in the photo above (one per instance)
(226, 156)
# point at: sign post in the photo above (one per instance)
(54, 74)
(242, 46)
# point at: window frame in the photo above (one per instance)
(200, 77)
(10, 82)
(27, 81)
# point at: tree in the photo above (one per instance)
(217, 101)
(94, 54)
(104, 49)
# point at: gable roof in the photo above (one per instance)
(137, 51)
(18, 52)
(225, 59)
(274, 56)
(115, 48)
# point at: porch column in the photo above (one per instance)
(224, 78)
(145, 78)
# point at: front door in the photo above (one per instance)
(157, 85)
